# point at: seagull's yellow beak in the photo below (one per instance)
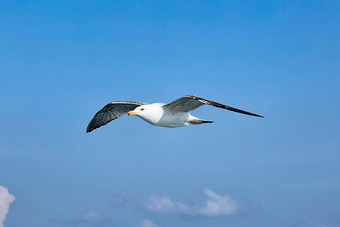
(131, 113)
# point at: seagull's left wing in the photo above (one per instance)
(190, 102)
(111, 112)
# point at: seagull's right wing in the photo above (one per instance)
(190, 102)
(111, 112)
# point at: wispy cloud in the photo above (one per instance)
(218, 205)
(91, 216)
(148, 223)
(88, 218)
(5, 200)
(214, 205)
(163, 204)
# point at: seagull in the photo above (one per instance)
(171, 115)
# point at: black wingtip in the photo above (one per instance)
(242, 111)
(255, 115)
(89, 129)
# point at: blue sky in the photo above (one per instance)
(61, 61)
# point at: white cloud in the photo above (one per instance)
(148, 223)
(215, 205)
(162, 204)
(218, 205)
(5, 201)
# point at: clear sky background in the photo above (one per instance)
(61, 61)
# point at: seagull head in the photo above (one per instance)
(139, 111)
(152, 113)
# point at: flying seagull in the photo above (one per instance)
(171, 115)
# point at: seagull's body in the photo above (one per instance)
(159, 115)
(171, 115)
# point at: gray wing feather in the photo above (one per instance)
(190, 102)
(111, 112)
(184, 104)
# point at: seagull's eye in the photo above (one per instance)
(142, 109)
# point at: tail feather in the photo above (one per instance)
(199, 121)
(204, 121)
